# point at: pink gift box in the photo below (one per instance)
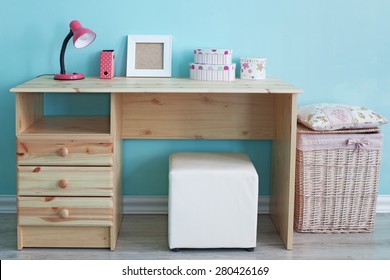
(210, 72)
(213, 56)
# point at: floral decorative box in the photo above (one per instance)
(210, 72)
(213, 56)
(253, 68)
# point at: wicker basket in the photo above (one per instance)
(337, 175)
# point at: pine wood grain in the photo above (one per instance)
(29, 109)
(69, 125)
(158, 85)
(283, 167)
(116, 132)
(64, 237)
(64, 181)
(197, 116)
(64, 152)
(81, 211)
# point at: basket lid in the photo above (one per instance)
(301, 129)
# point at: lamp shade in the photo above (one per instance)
(82, 36)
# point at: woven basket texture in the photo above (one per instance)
(336, 190)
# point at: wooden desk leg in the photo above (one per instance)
(19, 238)
(116, 132)
(283, 166)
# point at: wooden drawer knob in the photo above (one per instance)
(64, 213)
(63, 152)
(63, 183)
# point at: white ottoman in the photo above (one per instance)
(212, 201)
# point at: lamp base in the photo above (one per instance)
(69, 76)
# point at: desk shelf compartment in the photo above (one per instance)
(32, 122)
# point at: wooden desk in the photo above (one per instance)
(69, 168)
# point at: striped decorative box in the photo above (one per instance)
(210, 72)
(213, 56)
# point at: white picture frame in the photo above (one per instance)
(149, 56)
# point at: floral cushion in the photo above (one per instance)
(324, 116)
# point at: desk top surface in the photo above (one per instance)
(158, 85)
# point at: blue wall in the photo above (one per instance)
(336, 51)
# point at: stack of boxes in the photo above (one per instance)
(213, 65)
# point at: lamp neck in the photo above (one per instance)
(62, 53)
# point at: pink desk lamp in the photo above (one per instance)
(82, 37)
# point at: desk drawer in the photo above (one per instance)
(64, 153)
(65, 181)
(64, 237)
(65, 211)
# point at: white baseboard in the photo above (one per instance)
(7, 204)
(159, 204)
(145, 204)
(383, 204)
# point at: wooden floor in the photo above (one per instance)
(144, 237)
